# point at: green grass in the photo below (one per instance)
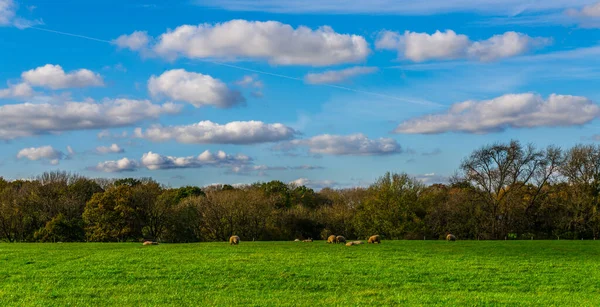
(545, 273)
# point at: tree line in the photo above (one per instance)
(500, 191)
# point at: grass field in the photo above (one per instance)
(545, 273)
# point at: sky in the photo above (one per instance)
(318, 93)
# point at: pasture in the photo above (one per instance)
(297, 273)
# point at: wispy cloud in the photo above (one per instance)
(395, 7)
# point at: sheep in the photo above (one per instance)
(150, 243)
(331, 239)
(234, 240)
(374, 239)
(349, 243)
(340, 239)
(308, 240)
(297, 240)
(358, 242)
(450, 237)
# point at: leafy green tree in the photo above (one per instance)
(110, 215)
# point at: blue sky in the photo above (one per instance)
(320, 93)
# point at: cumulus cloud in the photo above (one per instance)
(338, 76)
(194, 88)
(250, 81)
(207, 132)
(114, 148)
(154, 161)
(592, 10)
(28, 119)
(20, 90)
(273, 41)
(54, 77)
(587, 17)
(42, 153)
(352, 145)
(431, 178)
(448, 45)
(314, 184)
(439, 45)
(8, 16)
(506, 45)
(508, 111)
(123, 165)
(135, 41)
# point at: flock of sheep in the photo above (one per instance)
(332, 239)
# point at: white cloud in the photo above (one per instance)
(587, 17)
(431, 178)
(114, 148)
(448, 45)
(508, 111)
(135, 41)
(7, 12)
(123, 165)
(503, 46)
(8, 16)
(28, 119)
(338, 76)
(207, 132)
(154, 161)
(196, 89)
(41, 153)
(314, 184)
(591, 10)
(273, 41)
(20, 90)
(354, 145)
(395, 7)
(54, 77)
(388, 40)
(439, 45)
(250, 81)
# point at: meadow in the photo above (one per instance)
(560, 273)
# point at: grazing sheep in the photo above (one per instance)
(234, 240)
(349, 243)
(450, 237)
(297, 240)
(374, 239)
(331, 239)
(340, 239)
(150, 243)
(308, 240)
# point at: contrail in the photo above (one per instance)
(71, 34)
(419, 102)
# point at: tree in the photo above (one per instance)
(496, 171)
(391, 207)
(582, 170)
(110, 215)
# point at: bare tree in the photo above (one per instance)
(498, 170)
